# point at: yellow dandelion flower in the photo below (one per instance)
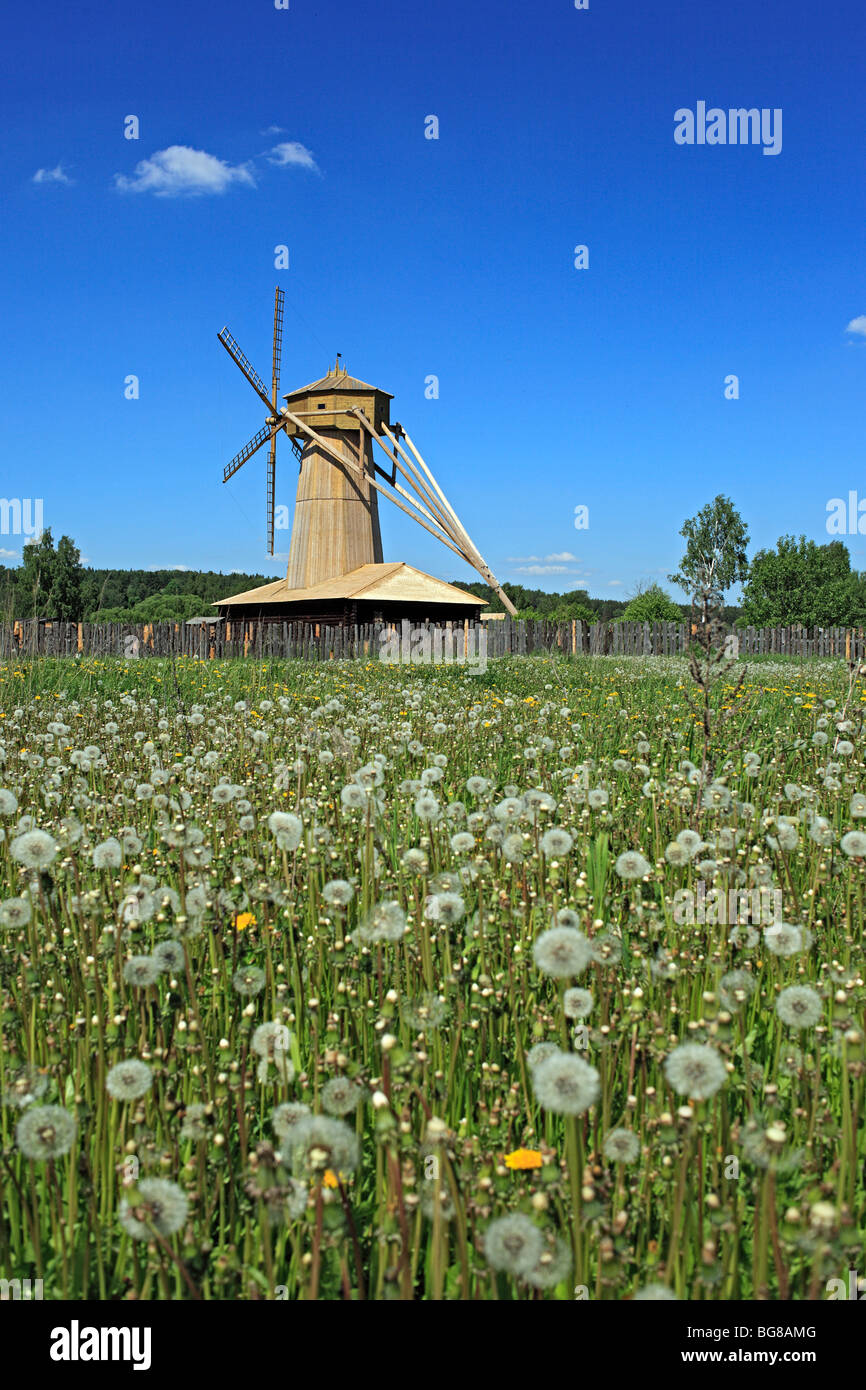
(523, 1158)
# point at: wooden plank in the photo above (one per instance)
(478, 562)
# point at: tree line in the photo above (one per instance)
(796, 582)
(51, 582)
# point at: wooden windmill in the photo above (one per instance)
(333, 424)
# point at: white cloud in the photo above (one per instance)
(9, 554)
(179, 170)
(615, 583)
(56, 175)
(858, 325)
(544, 569)
(560, 558)
(292, 152)
(271, 130)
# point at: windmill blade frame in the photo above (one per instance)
(271, 476)
(250, 448)
(244, 364)
(270, 490)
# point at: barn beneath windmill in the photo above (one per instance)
(387, 593)
(337, 575)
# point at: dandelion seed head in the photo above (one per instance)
(415, 860)
(854, 844)
(338, 892)
(563, 952)
(565, 1084)
(799, 1006)
(784, 939)
(129, 1080)
(169, 954)
(631, 866)
(27, 1084)
(158, 1204)
(340, 1095)
(286, 1116)
(446, 907)
(318, 1142)
(45, 1131)
(513, 1244)
(142, 971)
(35, 849)
(15, 912)
(556, 843)
(677, 855)
(196, 1123)
(108, 854)
(553, 1266)
(577, 1003)
(621, 1146)
(386, 921)
(695, 1070)
(736, 988)
(248, 981)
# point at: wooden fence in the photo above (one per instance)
(315, 642)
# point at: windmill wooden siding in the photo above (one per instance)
(335, 527)
(317, 641)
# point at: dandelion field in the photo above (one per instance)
(346, 981)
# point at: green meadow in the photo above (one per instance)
(355, 981)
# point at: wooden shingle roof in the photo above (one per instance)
(337, 379)
(396, 582)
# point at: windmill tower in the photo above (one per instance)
(336, 520)
(333, 424)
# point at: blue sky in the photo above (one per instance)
(452, 257)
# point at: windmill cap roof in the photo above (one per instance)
(337, 379)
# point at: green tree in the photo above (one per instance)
(157, 608)
(802, 582)
(651, 605)
(715, 557)
(574, 604)
(35, 576)
(65, 599)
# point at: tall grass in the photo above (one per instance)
(751, 1192)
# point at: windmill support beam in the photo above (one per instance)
(456, 524)
(451, 522)
(480, 564)
(422, 498)
(343, 462)
(455, 527)
(411, 476)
